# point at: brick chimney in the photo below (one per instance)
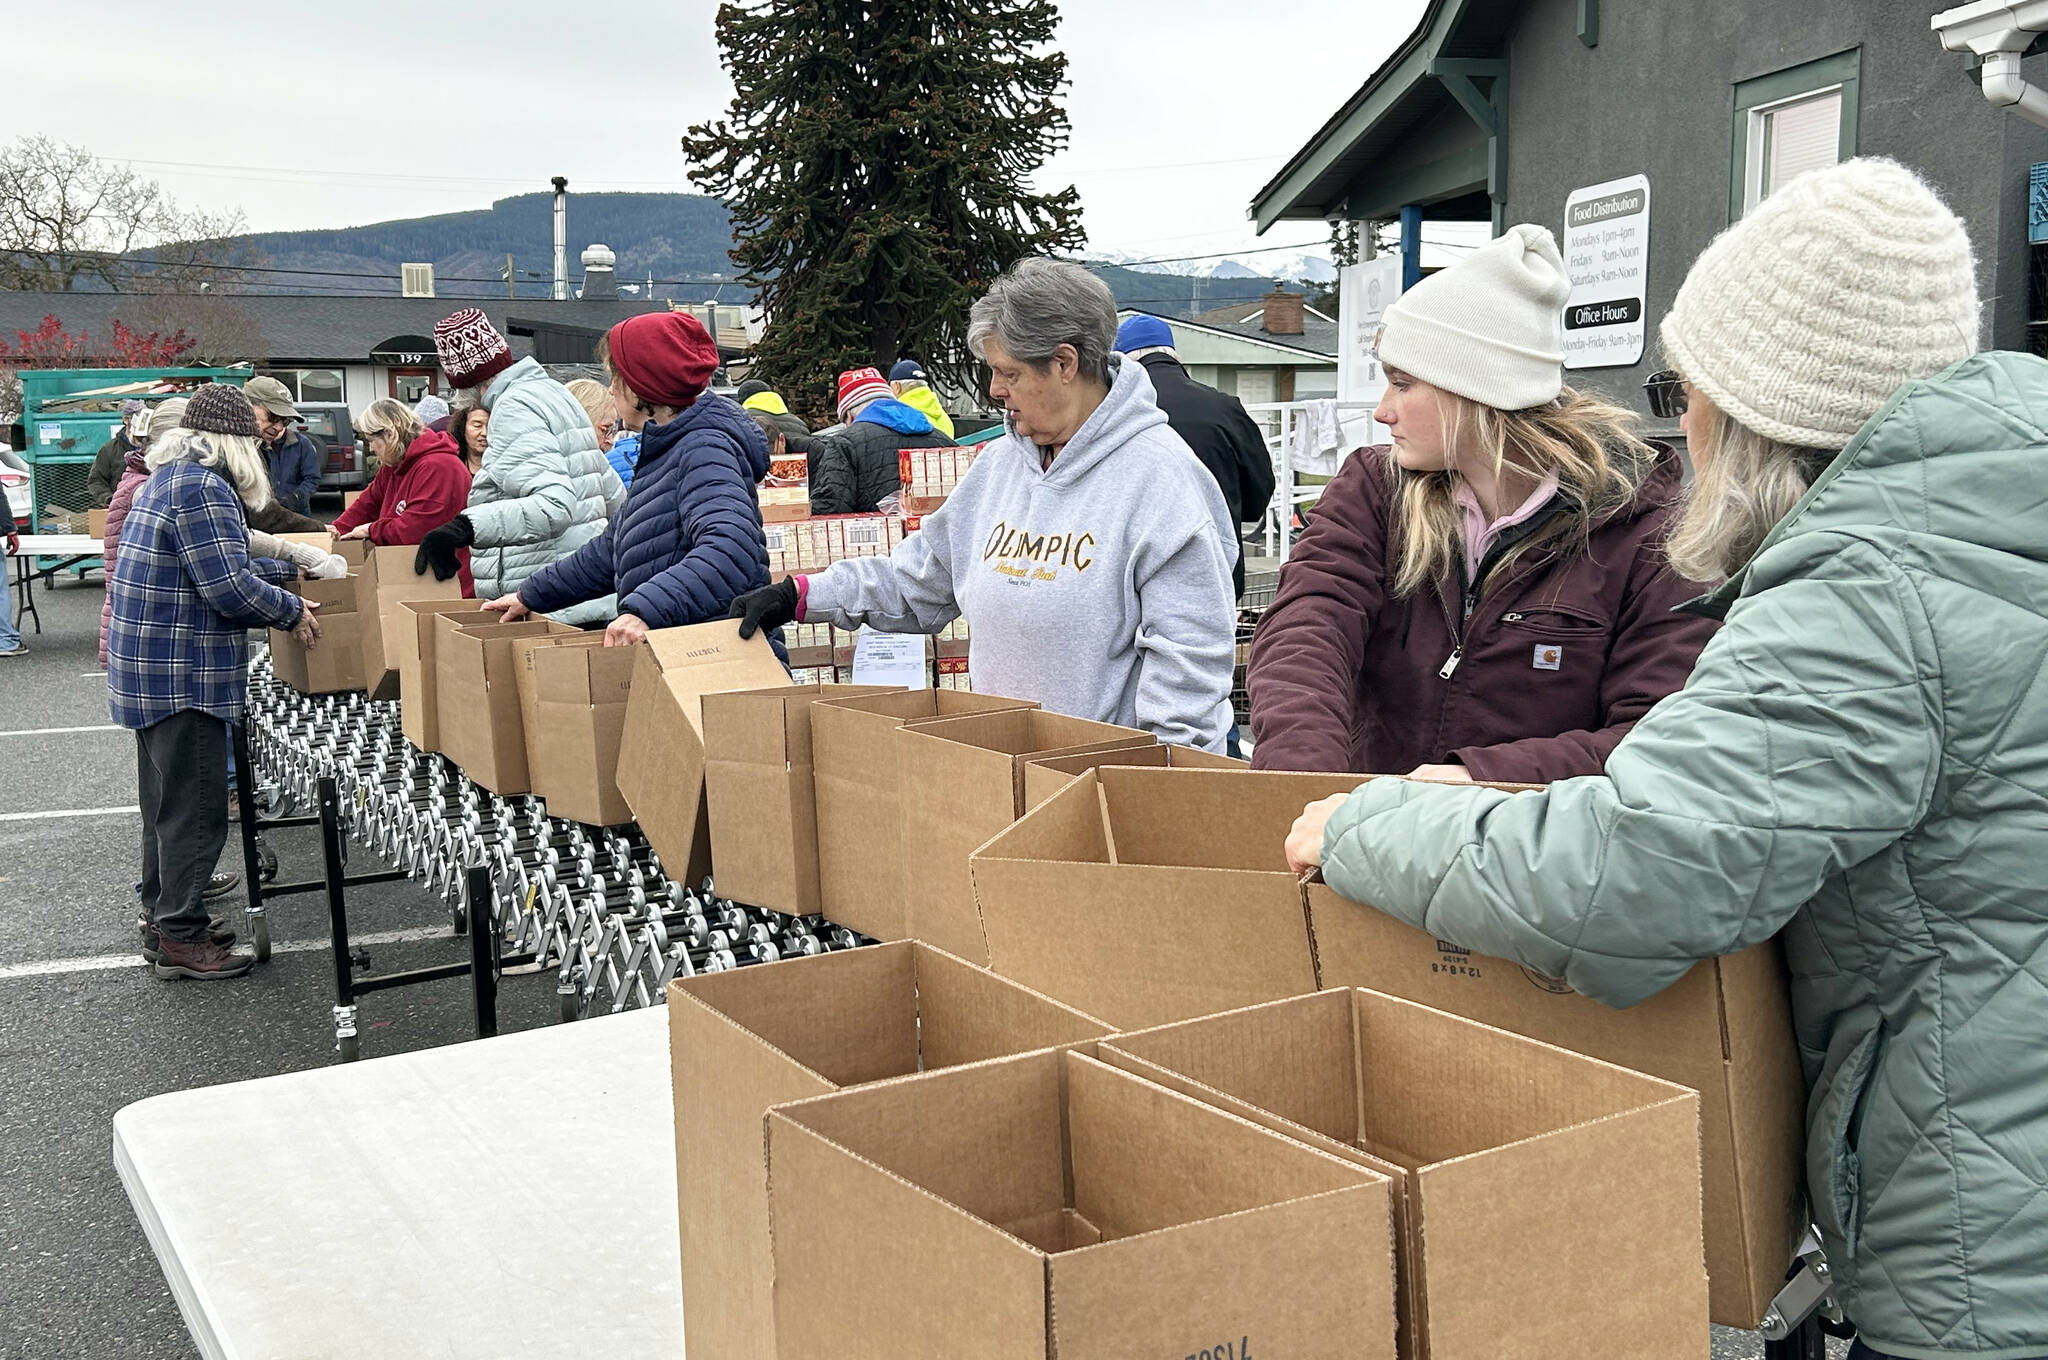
(1283, 313)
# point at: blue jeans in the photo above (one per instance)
(10, 636)
(1234, 747)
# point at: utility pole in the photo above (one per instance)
(511, 286)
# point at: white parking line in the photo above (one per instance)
(99, 963)
(93, 675)
(59, 731)
(69, 812)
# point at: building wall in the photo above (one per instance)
(1656, 97)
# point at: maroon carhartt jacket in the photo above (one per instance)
(1557, 655)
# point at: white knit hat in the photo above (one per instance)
(1491, 327)
(1802, 319)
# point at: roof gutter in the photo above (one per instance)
(2000, 32)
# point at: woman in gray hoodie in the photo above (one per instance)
(1088, 548)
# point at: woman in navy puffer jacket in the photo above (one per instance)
(688, 539)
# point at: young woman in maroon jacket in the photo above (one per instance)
(1488, 598)
(422, 482)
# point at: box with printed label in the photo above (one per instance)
(334, 663)
(418, 680)
(860, 844)
(748, 1039)
(1053, 1206)
(1544, 1203)
(962, 781)
(661, 772)
(384, 581)
(477, 698)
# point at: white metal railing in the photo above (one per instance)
(1280, 422)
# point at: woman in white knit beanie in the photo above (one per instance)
(1858, 765)
(1487, 597)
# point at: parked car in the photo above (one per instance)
(343, 464)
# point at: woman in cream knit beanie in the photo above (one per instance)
(1794, 328)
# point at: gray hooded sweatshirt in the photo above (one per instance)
(1099, 587)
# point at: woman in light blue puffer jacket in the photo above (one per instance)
(545, 489)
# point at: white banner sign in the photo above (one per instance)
(1607, 254)
(1364, 291)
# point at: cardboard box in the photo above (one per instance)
(383, 581)
(418, 681)
(1723, 1030)
(96, 523)
(853, 759)
(745, 1040)
(758, 786)
(962, 781)
(1154, 894)
(663, 782)
(1148, 896)
(334, 664)
(1044, 778)
(1545, 1204)
(572, 707)
(354, 551)
(1053, 1207)
(476, 681)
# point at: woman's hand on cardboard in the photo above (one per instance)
(511, 606)
(1441, 774)
(360, 531)
(1305, 841)
(625, 630)
(307, 629)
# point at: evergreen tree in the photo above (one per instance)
(875, 160)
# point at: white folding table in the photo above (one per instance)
(495, 1199)
(73, 548)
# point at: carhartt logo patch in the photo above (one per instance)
(1549, 656)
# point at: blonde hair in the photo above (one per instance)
(389, 416)
(595, 399)
(1589, 445)
(1743, 484)
(237, 457)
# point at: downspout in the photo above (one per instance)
(2006, 88)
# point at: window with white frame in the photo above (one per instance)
(1792, 121)
(310, 384)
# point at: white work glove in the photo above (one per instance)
(322, 566)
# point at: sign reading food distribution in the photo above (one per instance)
(1607, 253)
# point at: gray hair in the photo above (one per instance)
(237, 457)
(1749, 483)
(1039, 304)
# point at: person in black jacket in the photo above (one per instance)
(855, 468)
(1214, 425)
(113, 456)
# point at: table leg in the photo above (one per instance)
(25, 594)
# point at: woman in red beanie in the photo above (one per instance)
(688, 540)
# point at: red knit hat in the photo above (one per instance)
(666, 357)
(471, 350)
(858, 386)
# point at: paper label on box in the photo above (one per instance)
(890, 659)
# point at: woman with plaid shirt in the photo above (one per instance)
(184, 592)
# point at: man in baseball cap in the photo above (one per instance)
(293, 459)
(908, 381)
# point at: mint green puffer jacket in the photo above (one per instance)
(1860, 760)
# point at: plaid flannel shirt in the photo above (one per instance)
(185, 593)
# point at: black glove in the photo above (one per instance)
(438, 548)
(768, 607)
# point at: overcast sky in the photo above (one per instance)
(327, 115)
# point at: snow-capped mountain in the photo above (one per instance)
(1302, 265)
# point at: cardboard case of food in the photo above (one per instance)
(745, 1040)
(661, 773)
(572, 703)
(961, 781)
(759, 788)
(1052, 1206)
(384, 580)
(860, 839)
(334, 663)
(477, 697)
(1545, 1204)
(418, 679)
(1191, 863)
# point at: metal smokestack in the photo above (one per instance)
(561, 292)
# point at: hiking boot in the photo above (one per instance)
(203, 962)
(217, 930)
(219, 886)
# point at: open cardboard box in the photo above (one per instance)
(333, 664)
(1545, 1204)
(383, 580)
(419, 685)
(961, 781)
(759, 789)
(662, 781)
(477, 696)
(1052, 1207)
(1149, 896)
(751, 1038)
(572, 708)
(1044, 778)
(853, 764)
